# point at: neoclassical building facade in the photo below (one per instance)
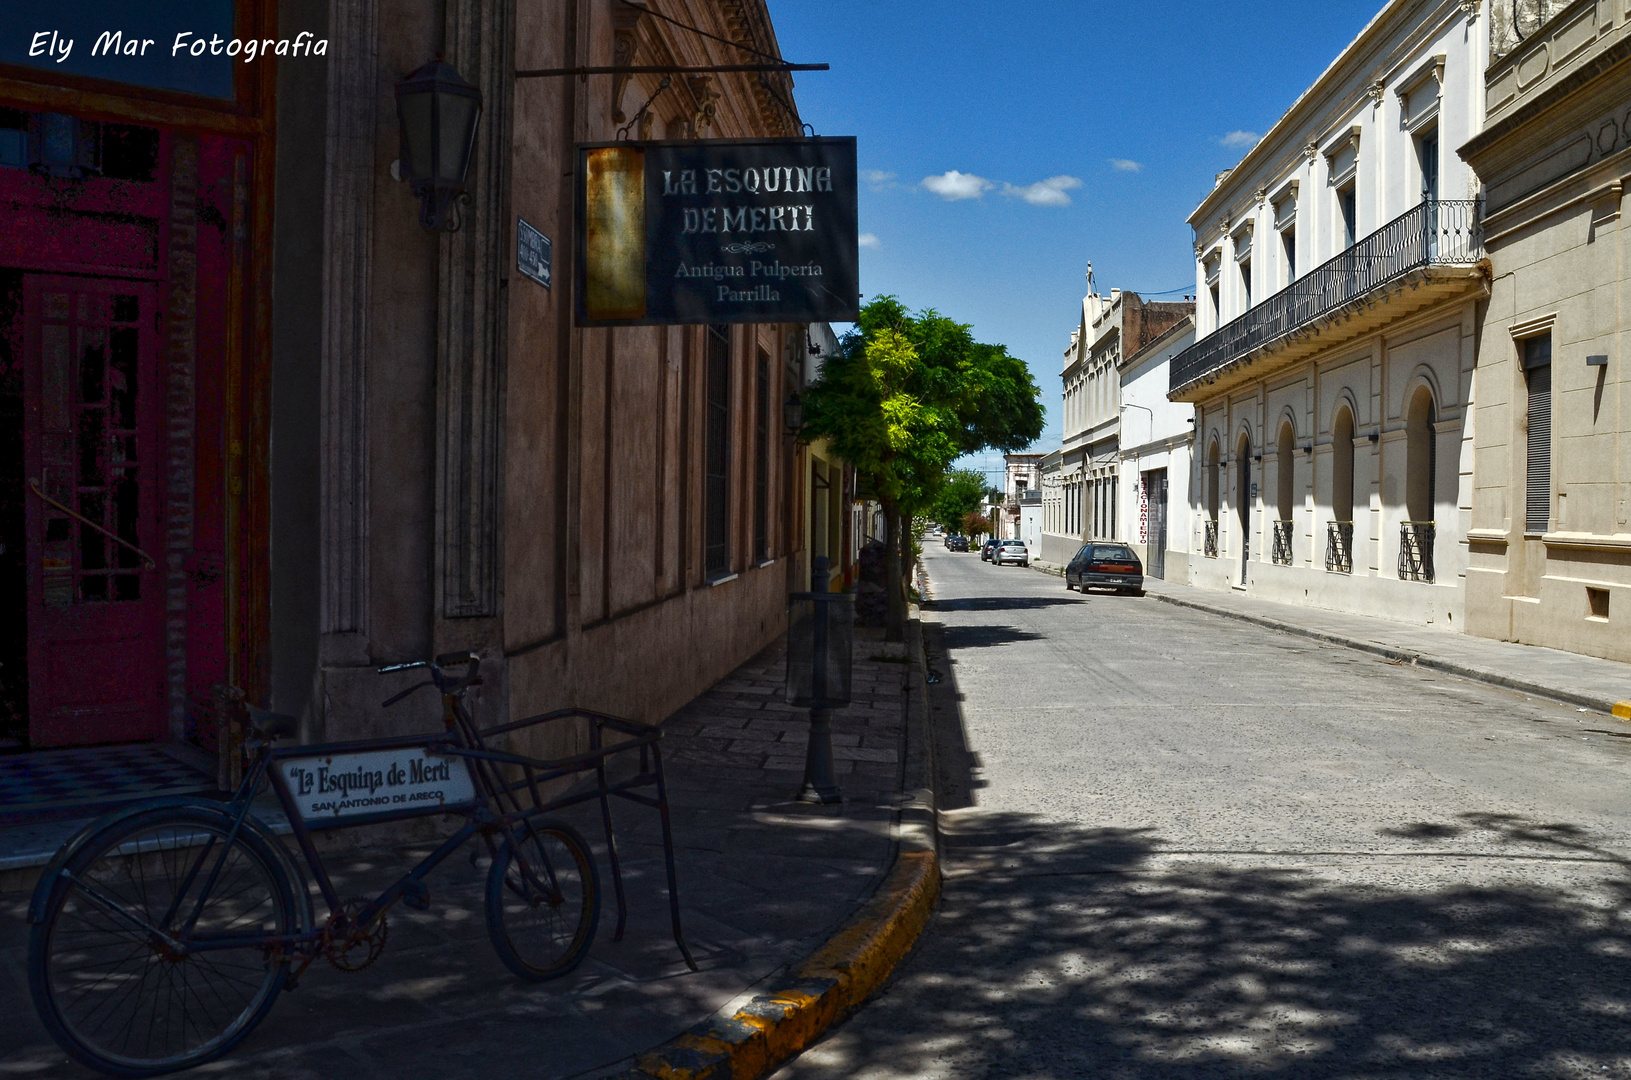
(1341, 283)
(1550, 547)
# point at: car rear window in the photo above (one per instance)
(1113, 553)
(1013, 543)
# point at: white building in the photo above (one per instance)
(1341, 284)
(1085, 489)
(1022, 486)
(1156, 434)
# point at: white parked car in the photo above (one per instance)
(1011, 551)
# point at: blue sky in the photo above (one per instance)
(1095, 136)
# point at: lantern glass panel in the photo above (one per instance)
(457, 131)
(832, 689)
(417, 124)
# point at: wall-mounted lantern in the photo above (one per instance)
(438, 112)
(793, 413)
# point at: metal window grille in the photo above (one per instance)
(716, 517)
(761, 460)
(1282, 543)
(1416, 551)
(1339, 547)
(1211, 539)
(1439, 232)
(1537, 362)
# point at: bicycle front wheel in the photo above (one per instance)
(543, 900)
(153, 954)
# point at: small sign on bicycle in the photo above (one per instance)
(330, 788)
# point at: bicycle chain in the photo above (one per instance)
(341, 945)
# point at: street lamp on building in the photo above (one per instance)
(437, 111)
(793, 413)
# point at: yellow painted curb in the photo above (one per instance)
(839, 976)
(1622, 710)
(835, 979)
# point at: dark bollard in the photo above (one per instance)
(822, 632)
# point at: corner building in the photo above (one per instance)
(353, 441)
(1550, 547)
(1341, 282)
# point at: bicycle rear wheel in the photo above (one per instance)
(543, 900)
(107, 975)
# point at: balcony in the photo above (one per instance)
(1416, 551)
(1211, 539)
(1281, 553)
(1430, 253)
(1339, 547)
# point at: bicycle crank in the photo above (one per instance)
(350, 947)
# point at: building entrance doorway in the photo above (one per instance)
(91, 493)
(1155, 495)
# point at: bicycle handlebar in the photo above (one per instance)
(442, 682)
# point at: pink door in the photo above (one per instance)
(92, 460)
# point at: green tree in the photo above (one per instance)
(905, 397)
(962, 493)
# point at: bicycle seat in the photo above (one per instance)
(271, 725)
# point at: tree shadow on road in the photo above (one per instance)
(999, 603)
(1062, 951)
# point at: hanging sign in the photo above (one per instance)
(717, 231)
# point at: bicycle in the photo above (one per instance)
(163, 933)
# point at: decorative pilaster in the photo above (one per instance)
(180, 423)
(470, 328)
(348, 232)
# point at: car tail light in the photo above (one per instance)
(1113, 568)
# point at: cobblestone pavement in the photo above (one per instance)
(1182, 846)
(763, 880)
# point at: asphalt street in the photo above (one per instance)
(1183, 846)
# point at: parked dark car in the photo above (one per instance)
(957, 543)
(1106, 566)
(988, 549)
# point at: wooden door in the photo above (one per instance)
(93, 476)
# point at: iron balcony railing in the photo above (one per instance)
(1211, 539)
(1437, 232)
(1416, 551)
(1339, 546)
(1282, 543)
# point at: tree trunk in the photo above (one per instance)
(895, 611)
(907, 562)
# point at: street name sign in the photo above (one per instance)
(717, 231)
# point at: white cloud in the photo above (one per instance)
(1124, 165)
(876, 177)
(955, 185)
(869, 240)
(1049, 192)
(1240, 140)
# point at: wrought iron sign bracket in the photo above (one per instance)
(663, 69)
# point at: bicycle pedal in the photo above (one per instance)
(416, 894)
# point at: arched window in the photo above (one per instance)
(1285, 470)
(1286, 466)
(1243, 500)
(1342, 467)
(1212, 483)
(1421, 457)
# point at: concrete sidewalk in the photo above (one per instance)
(764, 881)
(1582, 681)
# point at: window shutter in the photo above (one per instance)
(1538, 494)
